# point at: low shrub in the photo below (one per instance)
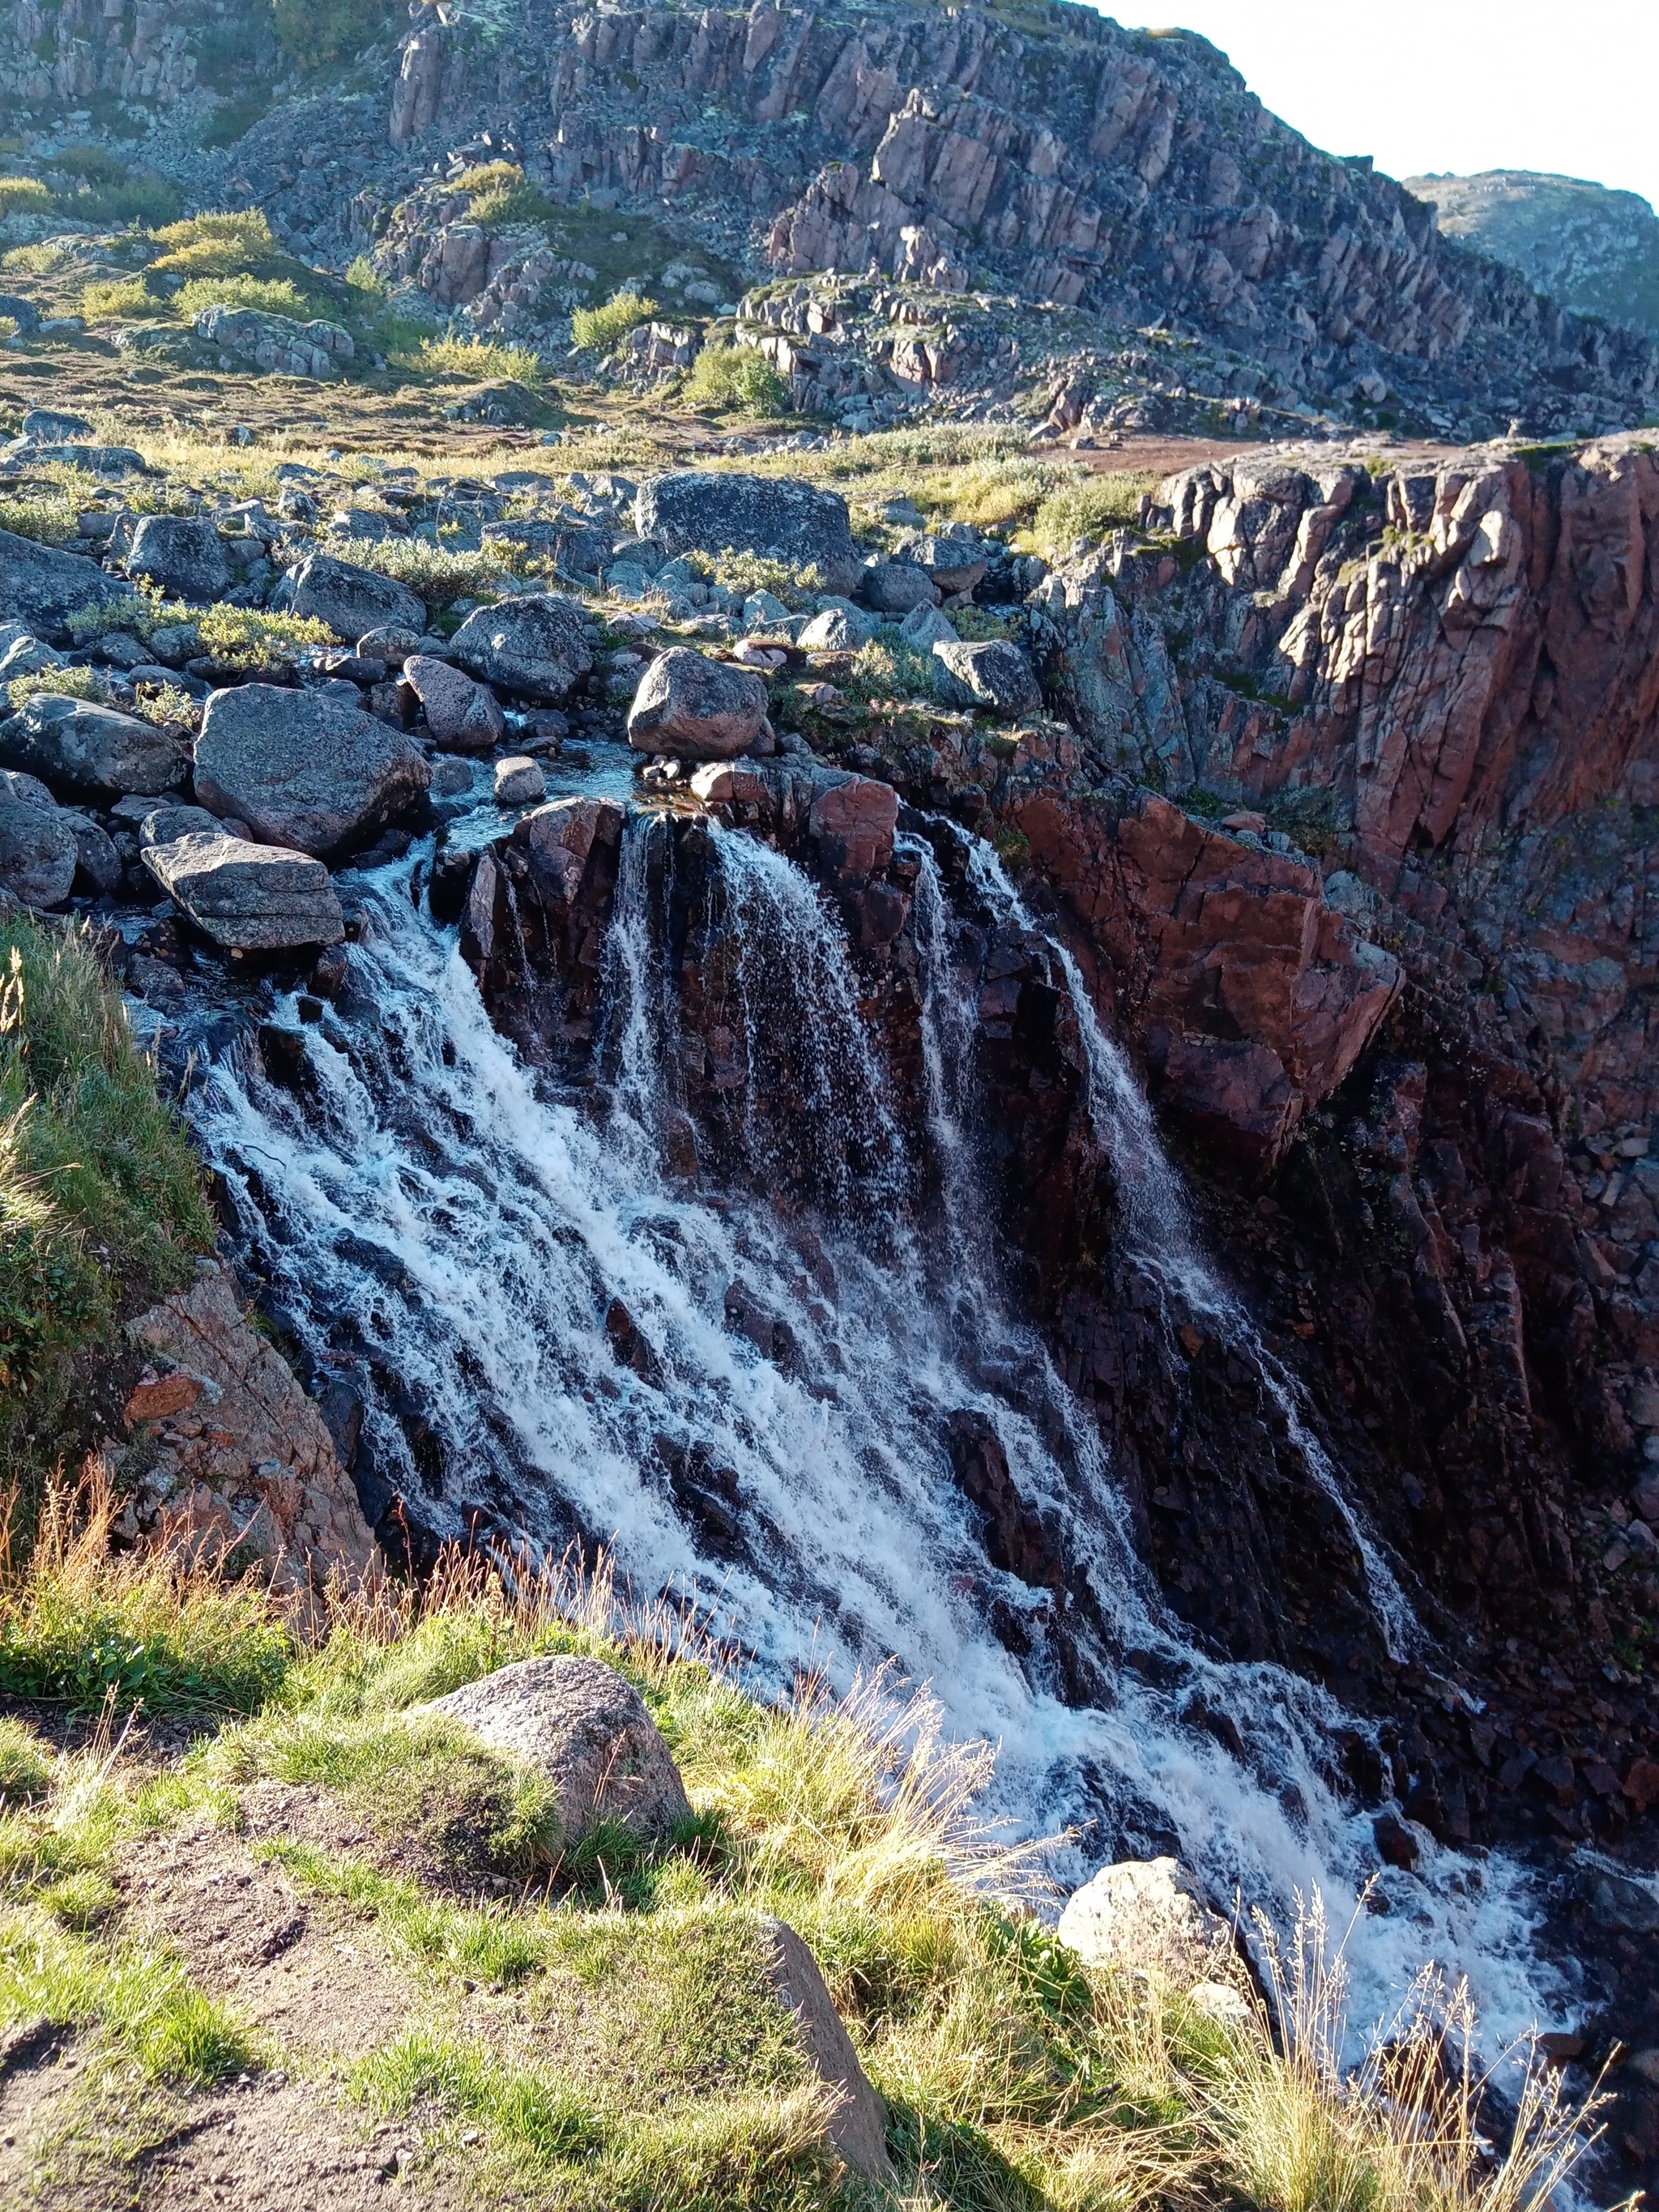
(231, 245)
(48, 521)
(601, 330)
(63, 682)
(23, 196)
(738, 378)
(148, 200)
(744, 572)
(121, 299)
(248, 638)
(363, 276)
(271, 296)
(487, 177)
(479, 359)
(167, 706)
(1088, 507)
(435, 572)
(313, 32)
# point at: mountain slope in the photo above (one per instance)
(1595, 251)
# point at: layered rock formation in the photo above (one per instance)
(1130, 173)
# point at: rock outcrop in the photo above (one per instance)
(225, 1456)
(584, 1728)
(304, 771)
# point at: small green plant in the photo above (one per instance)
(233, 245)
(480, 360)
(65, 682)
(166, 706)
(47, 520)
(25, 1766)
(1088, 507)
(23, 196)
(487, 177)
(248, 638)
(735, 379)
(363, 276)
(601, 330)
(121, 299)
(271, 296)
(438, 573)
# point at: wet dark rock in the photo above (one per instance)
(463, 716)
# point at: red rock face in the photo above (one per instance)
(1250, 997)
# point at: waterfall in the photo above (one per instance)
(1165, 1243)
(549, 1326)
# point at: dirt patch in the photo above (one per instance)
(280, 2149)
(297, 1967)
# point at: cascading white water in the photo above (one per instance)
(435, 1224)
(1165, 1244)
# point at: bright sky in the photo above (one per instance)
(1570, 86)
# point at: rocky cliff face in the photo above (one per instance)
(1129, 172)
(1595, 251)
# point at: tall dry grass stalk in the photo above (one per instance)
(1415, 2127)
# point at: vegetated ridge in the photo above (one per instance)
(1594, 249)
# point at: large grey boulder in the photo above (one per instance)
(577, 1722)
(700, 511)
(21, 654)
(250, 898)
(893, 587)
(304, 769)
(349, 599)
(955, 563)
(23, 313)
(694, 708)
(74, 745)
(46, 426)
(37, 850)
(838, 627)
(181, 555)
(463, 716)
(926, 626)
(91, 460)
(995, 674)
(40, 586)
(1149, 1915)
(858, 2125)
(534, 646)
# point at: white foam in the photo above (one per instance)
(475, 1227)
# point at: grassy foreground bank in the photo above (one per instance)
(545, 2029)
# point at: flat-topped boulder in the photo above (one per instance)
(247, 898)
(704, 511)
(182, 555)
(304, 768)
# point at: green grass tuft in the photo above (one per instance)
(601, 330)
(738, 379)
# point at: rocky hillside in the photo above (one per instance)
(1055, 195)
(1595, 251)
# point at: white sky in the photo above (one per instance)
(1570, 86)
